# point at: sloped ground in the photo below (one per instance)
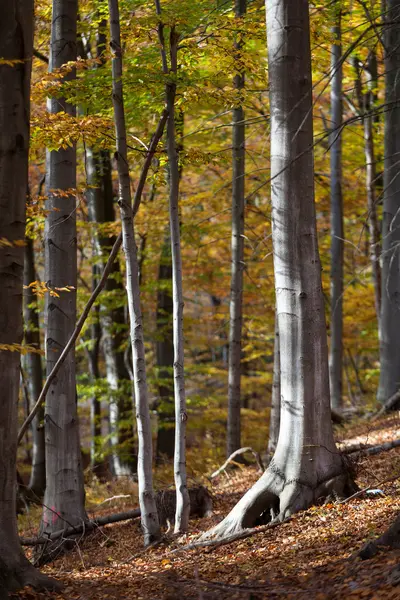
(312, 556)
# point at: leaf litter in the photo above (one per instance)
(314, 555)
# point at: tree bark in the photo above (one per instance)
(150, 523)
(64, 501)
(165, 353)
(182, 495)
(275, 417)
(16, 44)
(373, 225)
(237, 248)
(33, 367)
(337, 243)
(306, 464)
(390, 303)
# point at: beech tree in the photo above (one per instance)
(64, 501)
(16, 47)
(389, 378)
(149, 517)
(306, 464)
(337, 241)
(237, 247)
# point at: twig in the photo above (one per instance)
(102, 282)
(236, 453)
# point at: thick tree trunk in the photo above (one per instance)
(16, 44)
(182, 495)
(390, 303)
(337, 243)
(306, 464)
(150, 523)
(64, 501)
(275, 417)
(33, 367)
(165, 353)
(237, 251)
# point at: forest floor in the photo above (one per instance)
(313, 556)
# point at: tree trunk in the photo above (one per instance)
(306, 464)
(275, 417)
(370, 176)
(64, 501)
(336, 346)
(150, 524)
(165, 353)
(237, 249)
(33, 366)
(182, 495)
(112, 318)
(16, 44)
(390, 302)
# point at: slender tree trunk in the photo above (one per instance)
(370, 176)
(150, 523)
(33, 367)
(16, 44)
(101, 210)
(182, 494)
(64, 501)
(306, 464)
(337, 243)
(165, 353)
(237, 249)
(275, 418)
(390, 304)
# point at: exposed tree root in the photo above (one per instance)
(274, 498)
(392, 404)
(389, 539)
(16, 577)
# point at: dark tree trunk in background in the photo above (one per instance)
(64, 501)
(33, 366)
(237, 250)
(165, 353)
(390, 303)
(306, 464)
(16, 43)
(337, 241)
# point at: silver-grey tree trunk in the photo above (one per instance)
(33, 366)
(180, 477)
(306, 464)
(149, 516)
(389, 380)
(275, 416)
(16, 44)
(337, 241)
(237, 251)
(64, 501)
(370, 181)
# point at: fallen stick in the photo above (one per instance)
(369, 487)
(84, 527)
(233, 456)
(358, 449)
(106, 272)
